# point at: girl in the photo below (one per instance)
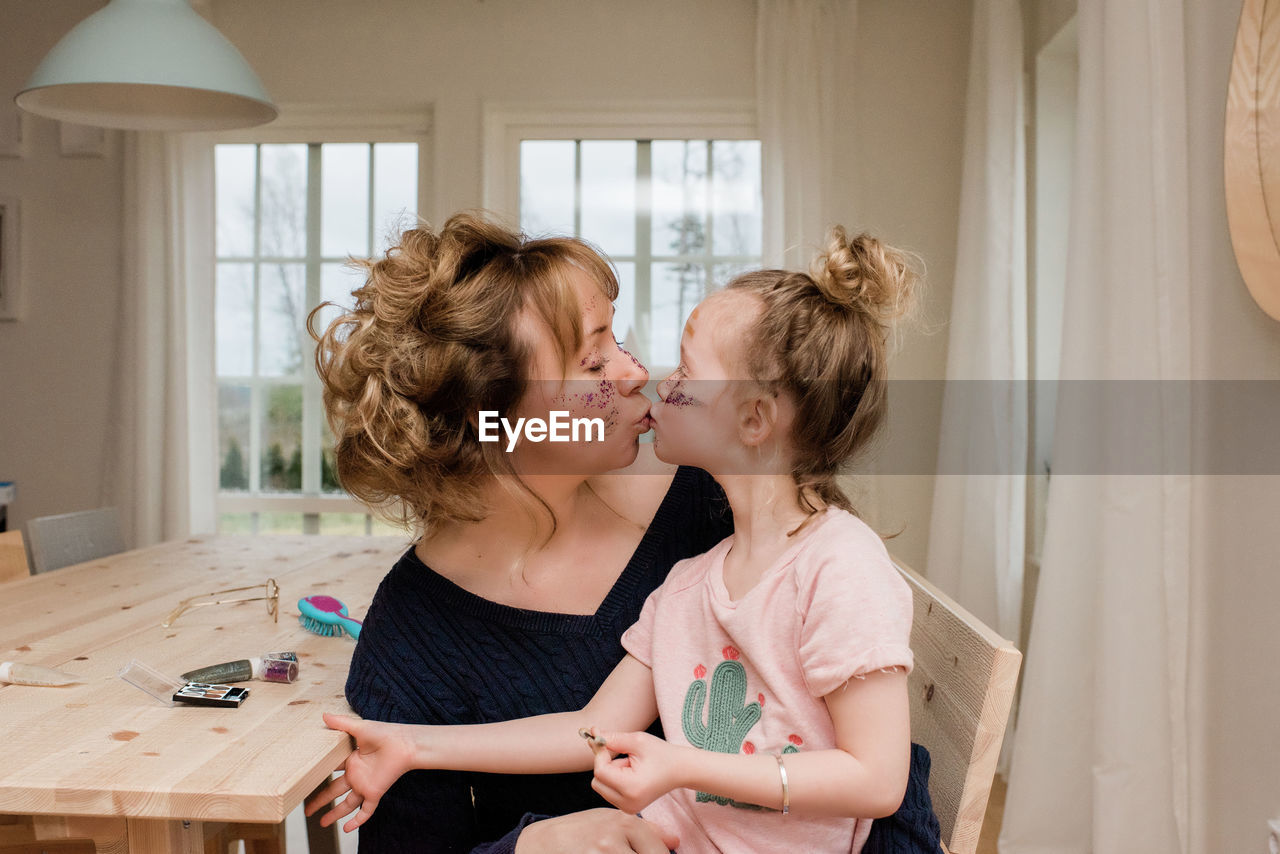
(777, 661)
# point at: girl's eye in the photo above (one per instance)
(597, 367)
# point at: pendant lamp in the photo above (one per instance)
(147, 65)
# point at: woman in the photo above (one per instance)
(534, 556)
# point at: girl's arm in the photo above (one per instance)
(539, 745)
(864, 776)
(546, 744)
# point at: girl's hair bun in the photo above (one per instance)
(864, 275)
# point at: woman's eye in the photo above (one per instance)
(597, 367)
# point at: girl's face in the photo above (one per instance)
(601, 381)
(695, 421)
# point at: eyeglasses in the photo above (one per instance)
(272, 598)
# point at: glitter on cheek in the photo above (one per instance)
(600, 398)
(677, 397)
(611, 421)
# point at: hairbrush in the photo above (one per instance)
(326, 616)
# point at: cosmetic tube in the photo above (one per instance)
(273, 667)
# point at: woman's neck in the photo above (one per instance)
(514, 557)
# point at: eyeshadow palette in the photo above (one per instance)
(200, 694)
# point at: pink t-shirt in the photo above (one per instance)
(749, 675)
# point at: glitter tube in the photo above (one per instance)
(271, 667)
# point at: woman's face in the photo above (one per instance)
(601, 382)
(695, 421)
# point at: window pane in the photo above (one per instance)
(737, 222)
(328, 467)
(284, 201)
(234, 170)
(679, 197)
(344, 200)
(279, 523)
(723, 274)
(677, 288)
(233, 325)
(395, 190)
(337, 281)
(609, 195)
(624, 313)
(235, 523)
(233, 436)
(382, 528)
(344, 524)
(281, 314)
(282, 440)
(546, 186)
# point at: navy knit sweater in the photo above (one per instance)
(432, 653)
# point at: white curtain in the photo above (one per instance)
(1100, 763)
(164, 474)
(976, 533)
(797, 62)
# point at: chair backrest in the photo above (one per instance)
(13, 556)
(57, 541)
(961, 688)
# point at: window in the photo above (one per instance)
(673, 195)
(677, 217)
(288, 217)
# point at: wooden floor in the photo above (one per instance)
(995, 816)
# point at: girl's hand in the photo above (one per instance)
(649, 769)
(383, 752)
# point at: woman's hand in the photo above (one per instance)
(383, 752)
(598, 831)
(649, 769)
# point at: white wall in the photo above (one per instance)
(56, 363)
(1236, 538)
(912, 61)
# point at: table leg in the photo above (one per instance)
(321, 840)
(162, 836)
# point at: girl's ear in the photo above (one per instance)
(757, 419)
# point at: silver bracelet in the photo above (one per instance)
(786, 790)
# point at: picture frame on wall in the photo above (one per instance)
(10, 257)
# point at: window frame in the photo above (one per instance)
(322, 125)
(505, 125)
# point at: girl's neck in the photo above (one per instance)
(766, 508)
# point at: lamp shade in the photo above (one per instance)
(147, 65)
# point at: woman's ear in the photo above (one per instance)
(757, 419)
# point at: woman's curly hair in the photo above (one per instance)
(433, 338)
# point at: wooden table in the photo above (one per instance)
(105, 760)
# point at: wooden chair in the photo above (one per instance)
(961, 689)
(57, 541)
(13, 557)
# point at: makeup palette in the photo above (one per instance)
(222, 696)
